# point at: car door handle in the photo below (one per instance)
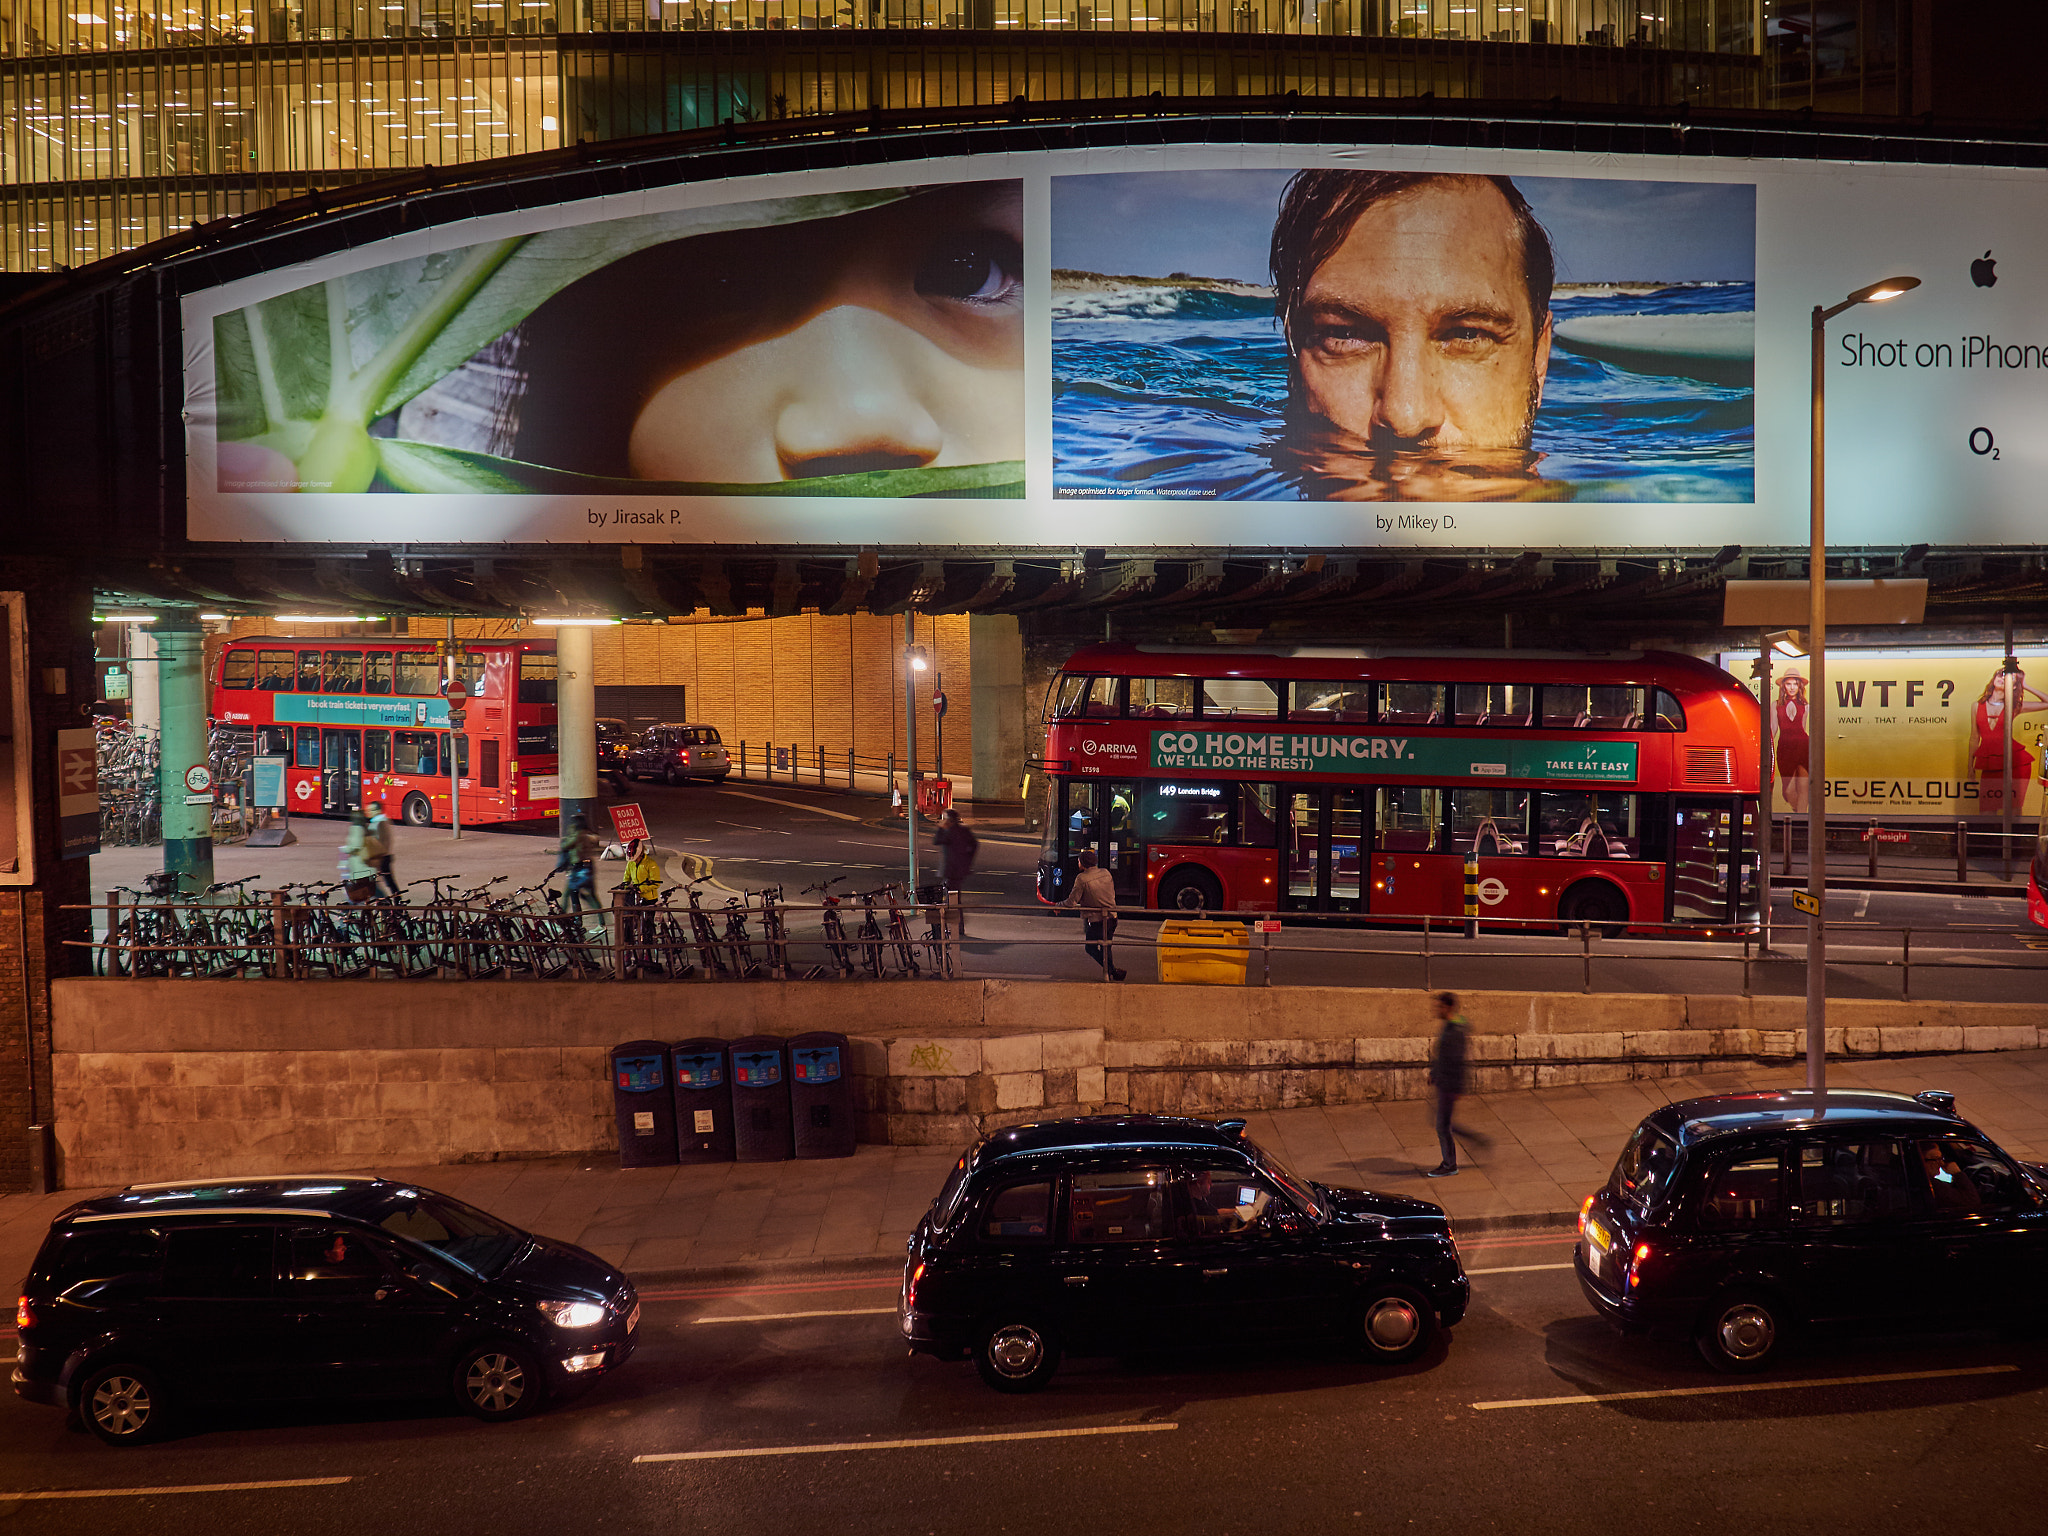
(1077, 1279)
(1211, 1274)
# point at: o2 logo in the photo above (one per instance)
(1983, 444)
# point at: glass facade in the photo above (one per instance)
(121, 122)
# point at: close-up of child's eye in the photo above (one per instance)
(979, 268)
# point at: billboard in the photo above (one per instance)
(1912, 734)
(1128, 346)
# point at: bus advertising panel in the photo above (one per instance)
(1130, 346)
(1913, 734)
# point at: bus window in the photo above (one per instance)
(1596, 708)
(1489, 822)
(1495, 703)
(344, 672)
(538, 741)
(238, 669)
(377, 672)
(460, 745)
(1258, 824)
(309, 671)
(273, 741)
(1105, 698)
(412, 752)
(537, 677)
(1667, 714)
(469, 670)
(1162, 697)
(1186, 813)
(419, 672)
(274, 671)
(1410, 816)
(1588, 824)
(309, 746)
(1234, 698)
(1336, 701)
(376, 751)
(1069, 698)
(1411, 703)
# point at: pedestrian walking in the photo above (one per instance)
(1094, 893)
(578, 855)
(356, 864)
(381, 828)
(957, 847)
(1447, 1076)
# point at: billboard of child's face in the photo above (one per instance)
(898, 343)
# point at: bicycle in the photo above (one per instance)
(774, 932)
(938, 943)
(709, 950)
(736, 938)
(835, 931)
(899, 934)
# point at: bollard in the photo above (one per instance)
(849, 770)
(1472, 893)
(1871, 838)
(1905, 964)
(280, 930)
(1962, 850)
(821, 765)
(112, 964)
(1425, 954)
(743, 759)
(1586, 940)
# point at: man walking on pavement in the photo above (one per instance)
(1094, 893)
(380, 829)
(957, 846)
(1447, 1077)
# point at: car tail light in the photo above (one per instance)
(910, 1287)
(24, 1315)
(1585, 1210)
(1642, 1255)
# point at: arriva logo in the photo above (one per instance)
(1108, 749)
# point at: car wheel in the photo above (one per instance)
(417, 812)
(1595, 902)
(672, 777)
(498, 1382)
(1018, 1354)
(1395, 1325)
(1191, 889)
(720, 778)
(123, 1404)
(1741, 1331)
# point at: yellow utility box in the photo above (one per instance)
(1209, 954)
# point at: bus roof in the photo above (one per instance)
(1671, 668)
(397, 642)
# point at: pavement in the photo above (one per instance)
(1549, 1148)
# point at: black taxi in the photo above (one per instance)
(1120, 1234)
(1738, 1220)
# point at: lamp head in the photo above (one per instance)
(1890, 288)
(1787, 642)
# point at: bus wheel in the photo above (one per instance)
(417, 812)
(1595, 902)
(1191, 889)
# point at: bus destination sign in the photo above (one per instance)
(1448, 757)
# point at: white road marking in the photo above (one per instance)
(783, 1317)
(150, 1493)
(745, 826)
(1746, 1386)
(1516, 1269)
(904, 1445)
(794, 805)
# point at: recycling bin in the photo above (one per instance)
(642, 1104)
(760, 1099)
(703, 1082)
(820, 1095)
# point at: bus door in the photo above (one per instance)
(1706, 860)
(1102, 819)
(341, 771)
(1323, 849)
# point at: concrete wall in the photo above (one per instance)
(176, 1079)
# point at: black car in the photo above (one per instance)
(1735, 1221)
(145, 1303)
(673, 753)
(614, 738)
(1108, 1235)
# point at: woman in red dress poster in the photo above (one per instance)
(1987, 744)
(1793, 777)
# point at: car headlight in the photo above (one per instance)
(572, 1314)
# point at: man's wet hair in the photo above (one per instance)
(1319, 208)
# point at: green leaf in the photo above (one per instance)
(428, 467)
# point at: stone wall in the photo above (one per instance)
(175, 1079)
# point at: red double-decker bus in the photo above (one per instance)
(1618, 790)
(363, 720)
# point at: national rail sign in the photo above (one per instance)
(1378, 756)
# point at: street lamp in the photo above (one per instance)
(1816, 681)
(916, 662)
(1787, 642)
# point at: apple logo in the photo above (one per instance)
(1983, 271)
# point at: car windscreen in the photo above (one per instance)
(1645, 1167)
(460, 1232)
(947, 1206)
(1303, 1192)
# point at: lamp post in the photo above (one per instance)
(1816, 675)
(913, 663)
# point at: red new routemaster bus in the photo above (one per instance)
(363, 720)
(1618, 790)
